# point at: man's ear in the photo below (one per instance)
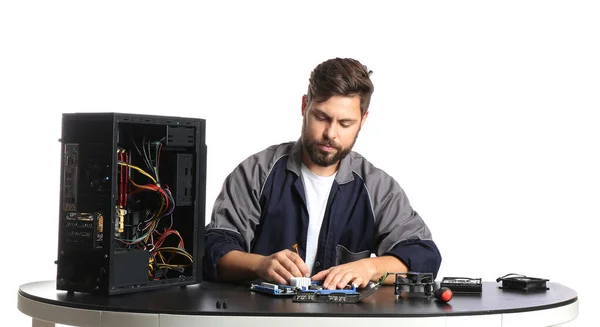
(304, 104)
(364, 118)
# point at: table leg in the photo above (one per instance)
(41, 323)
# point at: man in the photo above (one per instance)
(314, 208)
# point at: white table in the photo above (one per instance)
(196, 306)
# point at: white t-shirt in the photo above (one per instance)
(317, 190)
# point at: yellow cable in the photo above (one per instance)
(175, 250)
(162, 199)
(138, 169)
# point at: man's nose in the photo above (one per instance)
(330, 131)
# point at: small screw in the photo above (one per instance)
(225, 304)
(218, 304)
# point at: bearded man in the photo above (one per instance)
(315, 208)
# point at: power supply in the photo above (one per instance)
(132, 202)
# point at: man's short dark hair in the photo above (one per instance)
(343, 77)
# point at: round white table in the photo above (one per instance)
(195, 305)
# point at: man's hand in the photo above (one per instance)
(276, 268)
(359, 273)
(280, 267)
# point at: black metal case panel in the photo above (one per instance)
(132, 202)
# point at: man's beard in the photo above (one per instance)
(320, 157)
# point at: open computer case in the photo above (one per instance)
(132, 202)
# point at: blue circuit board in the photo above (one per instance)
(349, 290)
(273, 289)
(315, 292)
(286, 290)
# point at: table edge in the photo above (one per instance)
(295, 314)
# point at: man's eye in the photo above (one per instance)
(320, 117)
(346, 125)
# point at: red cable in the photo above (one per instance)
(120, 158)
(125, 187)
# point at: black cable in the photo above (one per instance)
(511, 274)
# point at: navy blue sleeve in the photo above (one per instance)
(418, 255)
(217, 244)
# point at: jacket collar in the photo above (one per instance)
(344, 174)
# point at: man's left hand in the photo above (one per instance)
(357, 273)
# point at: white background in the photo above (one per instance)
(487, 114)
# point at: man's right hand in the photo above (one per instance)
(277, 268)
(280, 267)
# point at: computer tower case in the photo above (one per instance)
(132, 202)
